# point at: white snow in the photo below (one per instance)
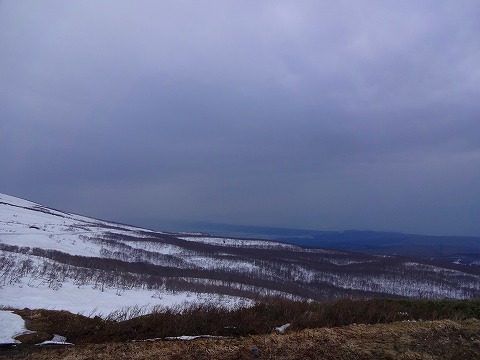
(182, 338)
(244, 243)
(282, 329)
(220, 263)
(16, 201)
(164, 249)
(31, 228)
(188, 338)
(26, 224)
(91, 301)
(11, 325)
(57, 340)
(343, 262)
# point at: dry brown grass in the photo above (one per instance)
(260, 319)
(443, 339)
(318, 331)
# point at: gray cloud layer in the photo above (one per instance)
(327, 115)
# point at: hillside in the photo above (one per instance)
(342, 329)
(57, 260)
(435, 340)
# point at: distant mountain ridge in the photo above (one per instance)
(455, 249)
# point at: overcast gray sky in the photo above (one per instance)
(331, 115)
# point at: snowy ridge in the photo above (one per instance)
(53, 259)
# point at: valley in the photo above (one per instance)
(56, 260)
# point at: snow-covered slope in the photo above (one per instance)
(25, 223)
(31, 279)
(57, 260)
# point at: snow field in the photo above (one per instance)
(90, 301)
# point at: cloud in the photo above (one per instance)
(315, 114)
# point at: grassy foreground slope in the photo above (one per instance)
(441, 339)
(343, 329)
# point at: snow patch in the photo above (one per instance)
(188, 338)
(57, 340)
(12, 325)
(282, 329)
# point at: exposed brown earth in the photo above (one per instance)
(442, 339)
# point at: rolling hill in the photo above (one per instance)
(58, 260)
